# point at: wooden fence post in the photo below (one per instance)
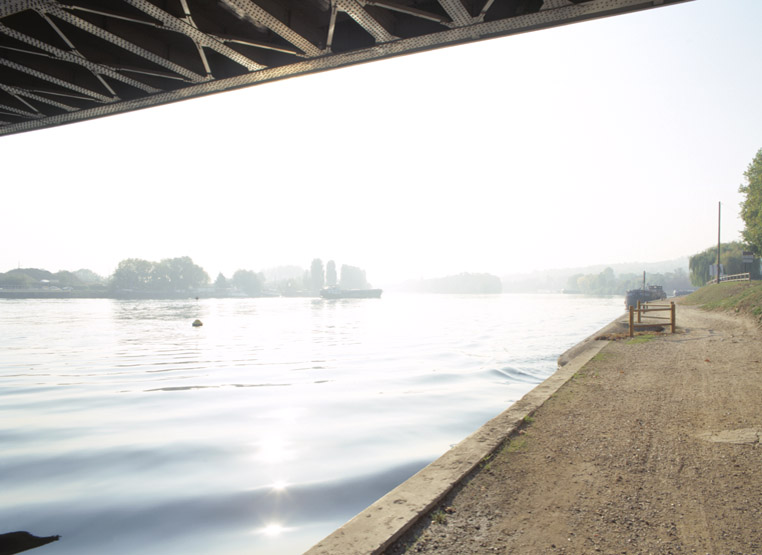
(672, 311)
(631, 319)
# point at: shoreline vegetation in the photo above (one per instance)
(181, 278)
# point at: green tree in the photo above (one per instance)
(627, 282)
(132, 274)
(699, 265)
(571, 282)
(330, 274)
(306, 279)
(604, 283)
(66, 279)
(160, 279)
(16, 280)
(608, 283)
(352, 278)
(35, 274)
(221, 283)
(317, 276)
(584, 283)
(731, 258)
(168, 276)
(88, 276)
(249, 282)
(182, 274)
(751, 207)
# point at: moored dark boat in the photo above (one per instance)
(644, 294)
(652, 293)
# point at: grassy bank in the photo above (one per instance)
(740, 297)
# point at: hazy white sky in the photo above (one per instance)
(595, 143)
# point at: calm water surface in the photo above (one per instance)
(126, 430)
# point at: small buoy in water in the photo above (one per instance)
(197, 323)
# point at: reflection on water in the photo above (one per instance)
(273, 529)
(146, 310)
(124, 426)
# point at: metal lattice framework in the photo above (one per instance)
(69, 60)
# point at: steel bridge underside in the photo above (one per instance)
(63, 61)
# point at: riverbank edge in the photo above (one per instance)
(383, 522)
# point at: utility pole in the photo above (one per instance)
(719, 216)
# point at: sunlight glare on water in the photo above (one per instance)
(125, 429)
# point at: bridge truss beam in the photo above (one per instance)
(63, 61)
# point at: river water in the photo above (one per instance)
(126, 430)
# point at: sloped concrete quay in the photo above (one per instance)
(378, 526)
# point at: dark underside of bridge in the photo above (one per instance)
(65, 61)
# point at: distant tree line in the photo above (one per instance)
(247, 282)
(28, 278)
(173, 277)
(608, 283)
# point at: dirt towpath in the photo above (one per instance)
(653, 447)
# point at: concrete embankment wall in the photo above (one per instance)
(378, 526)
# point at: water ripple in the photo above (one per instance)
(282, 418)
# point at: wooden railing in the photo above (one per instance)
(736, 277)
(647, 308)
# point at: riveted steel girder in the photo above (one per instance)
(63, 61)
(59, 54)
(261, 16)
(199, 37)
(457, 12)
(365, 20)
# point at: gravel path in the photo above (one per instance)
(653, 447)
